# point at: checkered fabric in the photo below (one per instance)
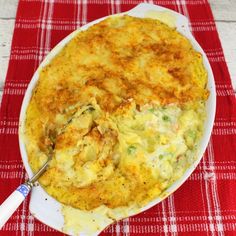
(206, 202)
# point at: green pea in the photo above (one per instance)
(166, 118)
(131, 150)
(151, 110)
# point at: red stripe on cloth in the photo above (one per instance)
(206, 203)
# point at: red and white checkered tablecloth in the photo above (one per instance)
(206, 203)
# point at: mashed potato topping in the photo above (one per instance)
(124, 103)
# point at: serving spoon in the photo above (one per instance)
(9, 206)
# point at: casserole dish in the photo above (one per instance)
(47, 209)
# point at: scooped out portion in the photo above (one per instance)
(124, 103)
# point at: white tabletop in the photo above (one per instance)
(224, 12)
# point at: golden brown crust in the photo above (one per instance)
(116, 61)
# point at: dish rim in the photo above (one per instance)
(182, 26)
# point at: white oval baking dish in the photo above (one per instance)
(48, 211)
